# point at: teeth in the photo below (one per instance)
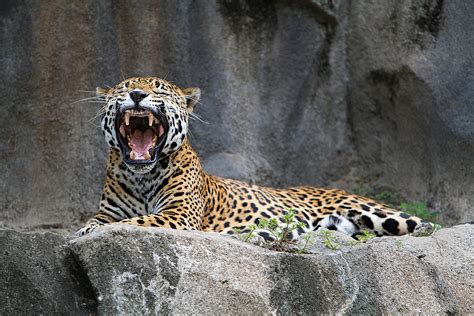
(150, 119)
(127, 118)
(154, 141)
(122, 130)
(132, 155)
(157, 121)
(147, 155)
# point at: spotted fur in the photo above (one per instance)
(175, 191)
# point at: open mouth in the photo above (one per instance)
(141, 135)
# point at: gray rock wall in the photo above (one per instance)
(411, 93)
(307, 92)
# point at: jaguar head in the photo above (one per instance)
(146, 119)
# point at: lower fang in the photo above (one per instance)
(122, 130)
(132, 155)
(147, 156)
(150, 119)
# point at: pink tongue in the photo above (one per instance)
(141, 142)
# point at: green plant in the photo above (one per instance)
(419, 209)
(328, 239)
(281, 233)
(389, 198)
(364, 191)
(436, 227)
(394, 200)
(363, 237)
(398, 243)
(247, 235)
(308, 239)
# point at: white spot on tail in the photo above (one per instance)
(342, 224)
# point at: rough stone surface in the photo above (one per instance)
(294, 92)
(39, 276)
(410, 98)
(168, 271)
(131, 270)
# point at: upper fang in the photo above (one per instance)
(150, 119)
(127, 118)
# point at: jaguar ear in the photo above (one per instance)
(192, 96)
(101, 92)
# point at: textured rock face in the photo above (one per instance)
(129, 270)
(39, 276)
(306, 92)
(411, 99)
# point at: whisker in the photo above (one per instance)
(189, 134)
(91, 98)
(94, 125)
(87, 99)
(94, 101)
(191, 115)
(196, 117)
(99, 113)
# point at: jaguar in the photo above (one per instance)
(155, 178)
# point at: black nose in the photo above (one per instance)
(137, 96)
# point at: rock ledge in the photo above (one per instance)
(129, 270)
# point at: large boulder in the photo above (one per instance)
(168, 271)
(132, 270)
(39, 276)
